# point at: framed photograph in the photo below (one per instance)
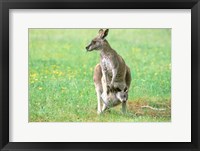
(100, 75)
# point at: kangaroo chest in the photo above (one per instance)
(106, 64)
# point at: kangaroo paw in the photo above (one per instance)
(110, 88)
(98, 112)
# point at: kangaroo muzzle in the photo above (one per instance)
(88, 47)
(123, 100)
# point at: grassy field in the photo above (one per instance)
(61, 87)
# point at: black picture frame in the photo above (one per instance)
(5, 5)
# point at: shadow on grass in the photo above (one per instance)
(139, 111)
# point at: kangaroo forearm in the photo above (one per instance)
(114, 74)
(105, 77)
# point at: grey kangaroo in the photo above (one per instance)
(114, 96)
(113, 66)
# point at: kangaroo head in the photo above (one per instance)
(98, 42)
(121, 94)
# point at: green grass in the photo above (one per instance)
(61, 87)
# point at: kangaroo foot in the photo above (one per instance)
(99, 112)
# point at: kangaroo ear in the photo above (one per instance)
(100, 31)
(117, 89)
(105, 33)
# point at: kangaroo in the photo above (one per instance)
(112, 64)
(114, 96)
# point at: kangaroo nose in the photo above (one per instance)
(123, 101)
(88, 48)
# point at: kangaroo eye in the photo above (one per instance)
(93, 42)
